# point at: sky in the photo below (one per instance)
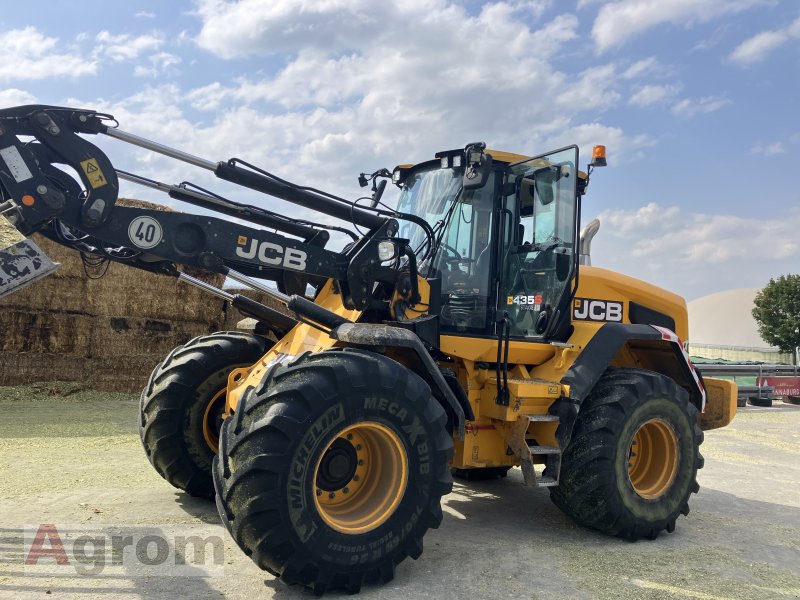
(696, 101)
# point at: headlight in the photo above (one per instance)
(386, 251)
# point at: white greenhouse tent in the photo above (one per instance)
(721, 326)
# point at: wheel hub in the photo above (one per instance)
(212, 419)
(653, 459)
(361, 478)
(338, 465)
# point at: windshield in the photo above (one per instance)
(428, 194)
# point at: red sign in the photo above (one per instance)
(781, 386)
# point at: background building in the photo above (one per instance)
(721, 326)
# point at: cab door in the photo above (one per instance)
(539, 260)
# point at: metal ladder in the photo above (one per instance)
(526, 452)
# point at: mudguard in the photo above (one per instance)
(655, 349)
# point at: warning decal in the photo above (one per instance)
(93, 173)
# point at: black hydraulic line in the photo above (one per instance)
(246, 305)
(222, 205)
(247, 177)
(311, 200)
(314, 312)
(188, 185)
(303, 307)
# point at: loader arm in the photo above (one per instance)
(83, 213)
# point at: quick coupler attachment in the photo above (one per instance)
(22, 262)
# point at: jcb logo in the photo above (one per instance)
(587, 309)
(272, 254)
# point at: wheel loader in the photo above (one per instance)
(458, 332)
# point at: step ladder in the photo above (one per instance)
(526, 451)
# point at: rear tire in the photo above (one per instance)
(757, 401)
(632, 461)
(180, 409)
(287, 463)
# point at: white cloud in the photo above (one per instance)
(621, 20)
(14, 97)
(761, 45)
(437, 78)
(696, 253)
(144, 14)
(649, 95)
(689, 107)
(622, 148)
(768, 149)
(28, 54)
(642, 67)
(438, 75)
(713, 40)
(126, 47)
(160, 63)
(247, 27)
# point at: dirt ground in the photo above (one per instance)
(70, 457)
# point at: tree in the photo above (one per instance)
(777, 312)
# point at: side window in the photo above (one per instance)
(464, 260)
(460, 235)
(537, 214)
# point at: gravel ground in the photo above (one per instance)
(73, 459)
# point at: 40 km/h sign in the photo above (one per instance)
(145, 232)
(781, 386)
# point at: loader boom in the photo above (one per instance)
(84, 214)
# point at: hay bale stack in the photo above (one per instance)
(109, 332)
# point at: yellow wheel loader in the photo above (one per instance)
(456, 332)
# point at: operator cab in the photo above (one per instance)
(505, 252)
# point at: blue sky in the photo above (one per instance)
(696, 101)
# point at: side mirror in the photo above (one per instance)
(544, 179)
(478, 167)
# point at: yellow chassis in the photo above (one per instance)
(498, 432)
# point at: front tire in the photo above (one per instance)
(180, 410)
(632, 461)
(331, 472)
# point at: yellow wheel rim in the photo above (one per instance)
(360, 478)
(212, 418)
(653, 459)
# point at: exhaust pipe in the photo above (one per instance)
(587, 234)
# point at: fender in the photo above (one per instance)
(377, 336)
(649, 347)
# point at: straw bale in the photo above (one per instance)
(106, 374)
(71, 265)
(131, 336)
(25, 367)
(25, 331)
(9, 234)
(134, 203)
(62, 294)
(156, 296)
(108, 333)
